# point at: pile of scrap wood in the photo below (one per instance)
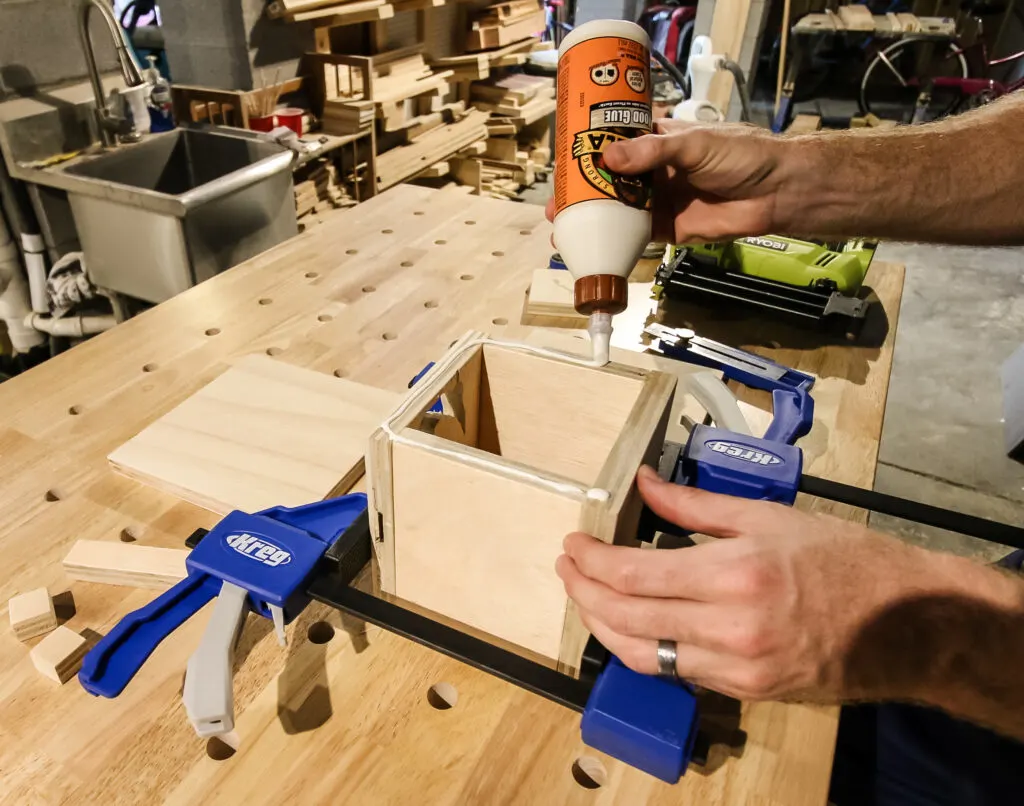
(331, 12)
(396, 88)
(427, 149)
(502, 24)
(502, 169)
(514, 101)
(317, 188)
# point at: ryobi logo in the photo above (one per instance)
(767, 243)
(258, 549)
(744, 453)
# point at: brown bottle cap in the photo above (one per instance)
(600, 292)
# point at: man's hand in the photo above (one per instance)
(710, 182)
(792, 605)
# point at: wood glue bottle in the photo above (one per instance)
(602, 219)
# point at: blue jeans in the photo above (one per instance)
(891, 754)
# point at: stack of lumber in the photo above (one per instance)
(502, 24)
(436, 145)
(514, 101)
(476, 66)
(347, 117)
(331, 12)
(397, 88)
(318, 188)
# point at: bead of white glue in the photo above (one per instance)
(600, 329)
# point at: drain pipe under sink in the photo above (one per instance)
(14, 296)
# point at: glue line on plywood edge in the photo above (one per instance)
(564, 488)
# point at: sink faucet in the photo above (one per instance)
(116, 125)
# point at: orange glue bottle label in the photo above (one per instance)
(604, 95)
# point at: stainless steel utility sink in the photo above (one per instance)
(158, 217)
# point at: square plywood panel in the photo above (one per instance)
(264, 433)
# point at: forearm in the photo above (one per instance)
(954, 640)
(955, 181)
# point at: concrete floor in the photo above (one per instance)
(942, 441)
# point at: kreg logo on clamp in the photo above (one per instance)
(258, 549)
(744, 453)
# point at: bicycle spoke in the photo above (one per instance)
(895, 72)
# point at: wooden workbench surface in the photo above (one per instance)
(372, 296)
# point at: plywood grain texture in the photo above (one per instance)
(347, 721)
(263, 434)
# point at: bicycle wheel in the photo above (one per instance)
(896, 76)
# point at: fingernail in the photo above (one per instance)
(648, 474)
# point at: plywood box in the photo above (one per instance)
(469, 506)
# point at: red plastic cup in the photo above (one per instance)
(292, 118)
(264, 124)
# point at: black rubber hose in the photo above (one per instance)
(741, 88)
(672, 70)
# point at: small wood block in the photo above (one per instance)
(118, 563)
(32, 614)
(59, 655)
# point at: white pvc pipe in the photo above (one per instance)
(71, 326)
(14, 295)
(35, 267)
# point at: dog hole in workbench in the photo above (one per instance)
(312, 275)
(339, 373)
(73, 410)
(324, 317)
(501, 320)
(275, 350)
(498, 253)
(129, 534)
(470, 223)
(212, 331)
(369, 289)
(430, 303)
(440, 241)
(389, 336)
(524, 232)
(320, 632)
(386, 231)
(442, 696)
(589, 772)
(218, 749)
(265, 301)
(466, 277)
(53, 494)
(351, 251)
(405, 264)
(418, 212)
(149, 367)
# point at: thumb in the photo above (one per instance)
(701, 511)
(684, 149)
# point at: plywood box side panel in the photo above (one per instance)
(616, 520)
(555, 415)
(480, 548)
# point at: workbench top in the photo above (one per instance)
(373, 296)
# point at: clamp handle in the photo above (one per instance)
(113, 662)
(793, 415)
(209, 694)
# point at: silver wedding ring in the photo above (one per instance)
(667, 660)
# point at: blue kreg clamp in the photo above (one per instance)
(645, 721)
(259, 562)
(792, 405)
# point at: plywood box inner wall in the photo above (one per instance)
(471, 504)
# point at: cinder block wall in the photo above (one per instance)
(227, 44)
(39, 45)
